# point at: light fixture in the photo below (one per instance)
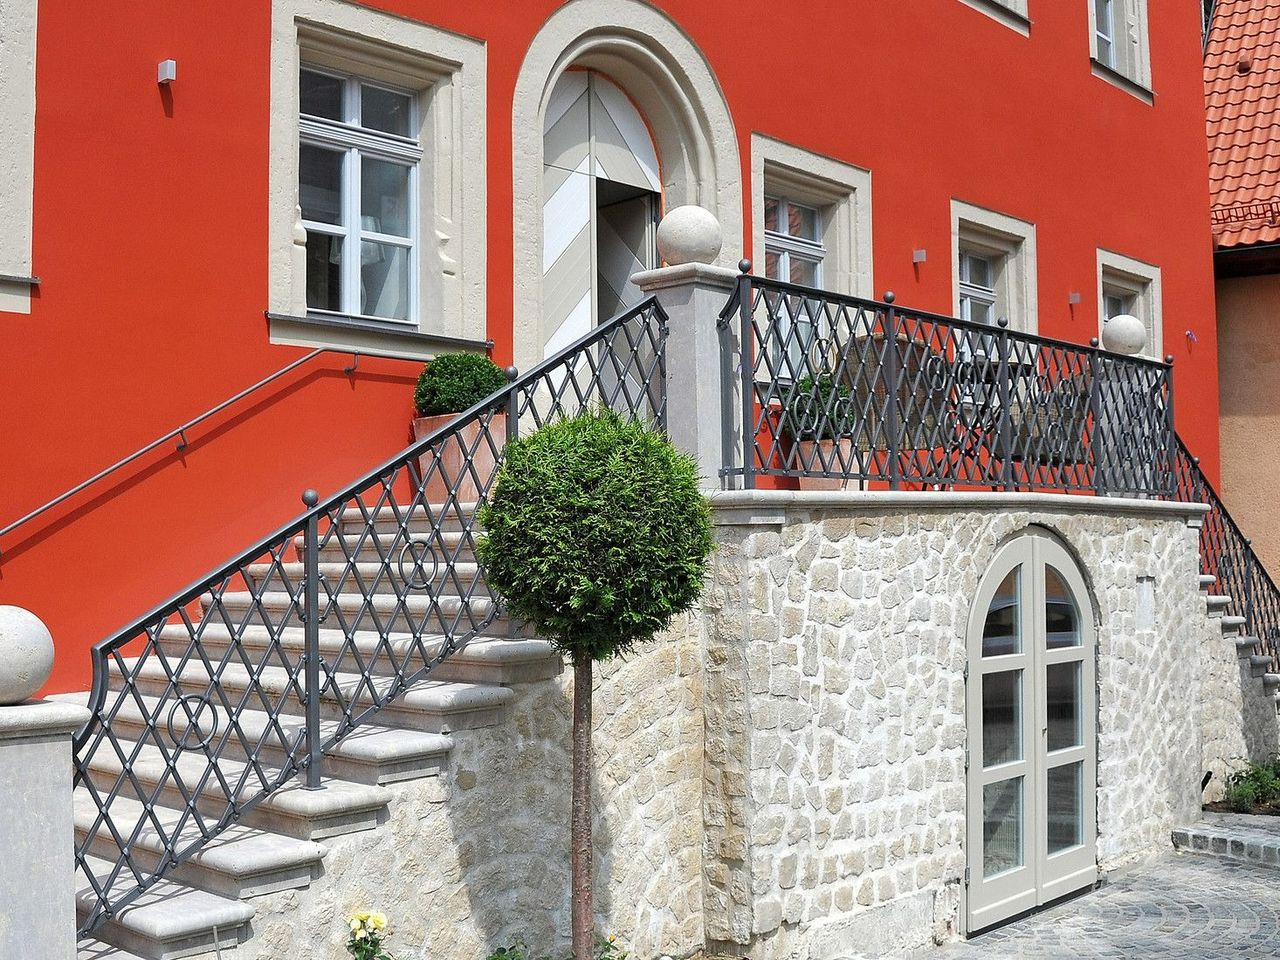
(919, 256)
(167, 72)
(1073, 297)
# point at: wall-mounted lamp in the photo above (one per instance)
(167, 72)
(1073, 297)
(919, 256)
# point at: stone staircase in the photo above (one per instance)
(205, 906)
(1233, 628)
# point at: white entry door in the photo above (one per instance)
(1030, 704)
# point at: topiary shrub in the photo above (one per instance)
(597, 535)
(454, 382)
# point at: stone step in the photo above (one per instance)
(415, 522)
(1271, 682)
(1259, 664)
(371, 753)
(450, 545)
(97, 950)
(339, 808)
(1231, 624)
(167, 921)
(1245, 837)
(1245, 645)
(1216, 604)
(360, 577)
(241, 862)
(1207, 580)
(436, 706)
(381, 612)
(481, 660)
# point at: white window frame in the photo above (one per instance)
(17, 152)
(787, 246)
(1127, 63)
(356, 142)
(1141, 282)
(840, 192)
(446, 73)
(972, 292)
(983, 231)
(1012, 13)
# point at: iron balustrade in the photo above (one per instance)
(225, 693)
(867, 391)
(1228, 555)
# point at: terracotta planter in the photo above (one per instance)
(831, 452)
(452, 470)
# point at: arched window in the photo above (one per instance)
(1031, 754)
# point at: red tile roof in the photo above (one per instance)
(1242, 92)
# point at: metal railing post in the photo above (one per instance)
(1006, 403)
(1251, 560)
(1095, 414)
(747, 366)
(892, 374)
(1170, 431)
(311, 641)
(513, 414)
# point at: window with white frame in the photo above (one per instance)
(376, 179)
(1012, 13)
(1132, 287)
(995, 267)
(1119, 41)
(793, 248)
(358, 170)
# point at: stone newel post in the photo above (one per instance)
(693, 292)
(37, 879)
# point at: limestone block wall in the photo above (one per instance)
(844, 619)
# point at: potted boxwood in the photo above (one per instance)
(449, 385)
(818, 419)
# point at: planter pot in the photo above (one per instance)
(813, 454)
(452, 468)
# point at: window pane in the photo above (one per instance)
(1066, 820)
(803, 271)
(976, 270)
(384, 280)
(771, 214)
(772, 265)
(319, 95)
(324, 271)
(1001, 717)
(384, 197)
(1062, 695)
(1062, 619)
(320, 183)
(802, 221)
(1002, 631)
(384, 110)
(1001, 826)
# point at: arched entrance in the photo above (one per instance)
(664, 76)
(1031, 701)
(601, 194)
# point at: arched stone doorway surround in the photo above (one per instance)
(659, 67)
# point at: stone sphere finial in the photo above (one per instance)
(689, 234)
(1124, 334)
(26, 654)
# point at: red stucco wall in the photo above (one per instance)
(150, 236)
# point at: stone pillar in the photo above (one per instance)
(693, 293)
(37, 837)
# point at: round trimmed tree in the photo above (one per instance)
(598, 535)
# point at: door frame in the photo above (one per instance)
(1042, 877)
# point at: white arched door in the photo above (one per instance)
(1031, 754)
(601, 189)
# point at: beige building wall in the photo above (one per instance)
(1249, 392)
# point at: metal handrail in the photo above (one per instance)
(180, 433)
(216, 692)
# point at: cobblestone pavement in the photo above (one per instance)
(1178, 906)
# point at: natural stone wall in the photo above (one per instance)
(478, 857)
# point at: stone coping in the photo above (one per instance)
(41, 719)
(768, 507)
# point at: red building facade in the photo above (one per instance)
(1017, 158)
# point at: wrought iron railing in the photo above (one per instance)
(1228, 555)
(864, 391)
(219, 696)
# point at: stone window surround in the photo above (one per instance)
(1012, 13)
(449, 70)
(1141, 280)
(840, 191)
(1013, 238)
(17, 152)
(1136, 80)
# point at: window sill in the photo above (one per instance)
(1120, 81)
(19, 280)
(358, 334)
(1012, 19)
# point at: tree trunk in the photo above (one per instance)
(580, 863)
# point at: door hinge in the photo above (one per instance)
(966, 876)
(966, 759)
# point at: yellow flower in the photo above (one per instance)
(355, 924)
(612, 938)
(379, 920)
